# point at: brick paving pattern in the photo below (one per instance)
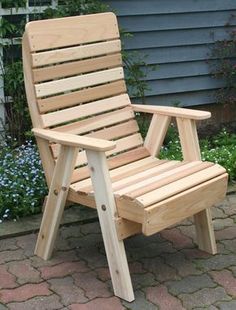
(168, 271)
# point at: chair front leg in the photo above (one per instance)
(191, 151)
(54, 207)
(107, 214)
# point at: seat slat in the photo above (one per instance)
(76, 67)
(75, 82)
(122, 172)
(175, 173)
(71, 31)
(113, 162)
(85, 110)
(179, 186)
(81, 96)
(98, 121)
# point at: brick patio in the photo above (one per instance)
(168, 271)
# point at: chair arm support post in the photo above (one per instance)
(156, 133)
(189, 139)
(191, 152)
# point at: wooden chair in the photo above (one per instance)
(82, 114)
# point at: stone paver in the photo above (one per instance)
(168, 271)
(204, 297)
(161, 297)
(227, 280)
(190, 284)
(24, 292)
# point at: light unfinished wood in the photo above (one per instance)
(121, 172)
(116, 131)
(123, 144)
(47, 159)
(97, 122)
(191, 151)
(80, 81)
(71, 31)
(76, 67)
(107, 212)
(177, 208)
(56, 201)
(75, 53)
(126, 228)
(85, 110)
(166, 175)
(29, 85)
(156, 133)
(81, 96)
(73, 140)
(179, 185)
(113, 162)
(131, 173)
(74, 80)
(172, 111)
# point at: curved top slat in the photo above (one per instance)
(69, 31)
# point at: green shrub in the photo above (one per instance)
(219, 149)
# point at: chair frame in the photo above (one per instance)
(114, 228)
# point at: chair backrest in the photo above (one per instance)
(75, 81)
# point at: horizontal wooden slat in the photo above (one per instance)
(81, 96)
(124, 171)
(113, 162)
(136, 176)
(178, 186)
(134, 181)
(75, 53)
(116, 131)
(174, 209)
(97, 122)
(76, 67)
(53, 33)
(157, 181)
(122, 144)
(75, 82)
(84, 110)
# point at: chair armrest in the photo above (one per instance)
(87, 143)
(172, 111)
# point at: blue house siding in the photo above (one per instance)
(177, 36)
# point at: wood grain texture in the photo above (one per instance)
(185, 204)
(81, 96)
(76, 82)
(81, 111)
(76, 67)
(53, 33)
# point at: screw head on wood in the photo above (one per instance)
(103, 207)
(55, 192)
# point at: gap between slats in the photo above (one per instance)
(85, 110)
(76, 67)
(76, 82)
(81, 96)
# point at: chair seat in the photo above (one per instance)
(158, 193)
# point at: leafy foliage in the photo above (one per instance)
(22, 183)
(225, 68)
